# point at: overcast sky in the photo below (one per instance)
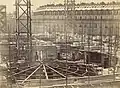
(36, 3)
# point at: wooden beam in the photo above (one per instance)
(46, 75)
(56, 71)
(31, 74)
(72, 86)
(24, 70)
(70, 71)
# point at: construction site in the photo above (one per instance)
(65, 45)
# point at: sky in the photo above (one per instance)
(37, 3)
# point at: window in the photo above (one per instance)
(95, 17)
(80, 25)
(94, 25)
(62, 12)
(99, 12)
(79, 12)
(90, 25)
(80, 17)
(94, 12)
(85, 25)
(110, 12)
(76, 12)
(54, 12)
(90, 17)
(88, 13)
(91, 12)
(106, 26)
(119, 12)
(115, 12)
(84, 12)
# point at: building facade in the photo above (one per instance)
(89, 19)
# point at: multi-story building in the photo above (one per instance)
(89, 19)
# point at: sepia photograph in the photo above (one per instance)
(59, 43)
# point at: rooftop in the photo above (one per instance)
(81, 6)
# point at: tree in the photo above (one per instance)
(102, 3)
(113, 2)
(83, 3)
(92, 3)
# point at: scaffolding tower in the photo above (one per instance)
(23, 30)
(2, 19)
